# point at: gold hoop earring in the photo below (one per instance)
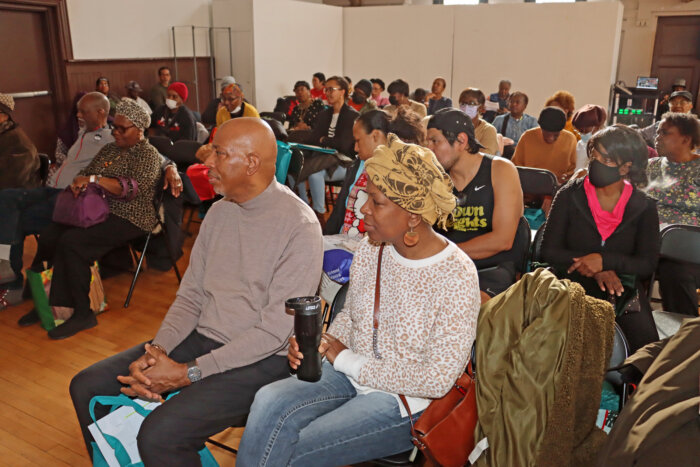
(411, 238)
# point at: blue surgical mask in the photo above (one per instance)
(471, 110)
(585, 137)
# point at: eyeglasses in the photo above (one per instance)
(330, 90)
(230, 99)
(121, 129)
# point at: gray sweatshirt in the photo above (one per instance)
(80, 155)
(247, 260)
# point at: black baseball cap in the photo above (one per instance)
(454, 121)
(685, 94)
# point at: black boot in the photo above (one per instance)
(73, 326)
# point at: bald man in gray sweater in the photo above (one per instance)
(226, 333)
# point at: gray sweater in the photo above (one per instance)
(247, 260)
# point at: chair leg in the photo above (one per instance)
(138, 269)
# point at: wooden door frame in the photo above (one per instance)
(60, 47)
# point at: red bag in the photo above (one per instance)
(199, 176)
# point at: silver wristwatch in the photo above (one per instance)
(194, 374)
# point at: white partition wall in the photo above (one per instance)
(541, 48)
(292, 41)
(545, 48)
(413, 43)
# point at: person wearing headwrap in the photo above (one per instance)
(127, 170)
(488, 218)
(588, 120)
(28, 211)
(548, 147)
(174, 119)
(417, 345)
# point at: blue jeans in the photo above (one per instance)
(326, 423)
(317, 186)
(23, 212)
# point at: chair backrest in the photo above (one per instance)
(279, 116)
(338, 302)
(536, 247)
(44, 164)
(540, 182)
(296, 163)
(681, 242)
(162, 143)
(183, 153)
(523, 232)
(202, 133)
(620, 352)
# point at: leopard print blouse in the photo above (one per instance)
(140, 162)
(427, 322)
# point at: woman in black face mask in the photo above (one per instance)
(603, 232)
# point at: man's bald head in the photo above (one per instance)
(243, 163)
(93, 109)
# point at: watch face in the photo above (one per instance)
(194, 373)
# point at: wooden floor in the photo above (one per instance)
(37, 422)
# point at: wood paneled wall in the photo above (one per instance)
(82, 75)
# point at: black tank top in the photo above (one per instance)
(473, 215)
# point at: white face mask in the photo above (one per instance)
(171, 104)
(236, 110)
(471, 110)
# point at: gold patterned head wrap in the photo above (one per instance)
(411, 176)
(134, 112)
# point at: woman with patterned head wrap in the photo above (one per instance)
(416, 344)
(127, 171)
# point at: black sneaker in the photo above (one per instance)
(73, 326)
(30, 318)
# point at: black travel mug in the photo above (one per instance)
(307, 328)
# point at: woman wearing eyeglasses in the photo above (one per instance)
(331, 129)
(127, 171)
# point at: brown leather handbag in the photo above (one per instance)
(445, 431)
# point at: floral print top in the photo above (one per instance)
(675, 186)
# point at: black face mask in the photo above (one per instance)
(357, 99)
(393, 100)
(602, 175)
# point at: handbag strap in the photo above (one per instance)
(376, 288)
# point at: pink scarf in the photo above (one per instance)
(605, 221)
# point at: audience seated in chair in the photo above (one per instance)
(26, 211)
(133, 91)
(102, 85)
(588, 120)
(67, 135)
(680, 102)
(398, 96)
(174, 119)
(159, 91)
(332, 129)
(318, 89)
(548, 147)
(503, 99)
(514, 123)
(234, 106)
(603, 232)
(359, 99)
(436, 100)
(471, 102)
(370, 131)
(19, 162)
(307, 109)
(127, 170)
(224, 336)
(377, 90)
(428, 291)
(489, 200)
(566, 102)
(673, 183)
(209, 114)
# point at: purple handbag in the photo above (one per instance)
(88, 209)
